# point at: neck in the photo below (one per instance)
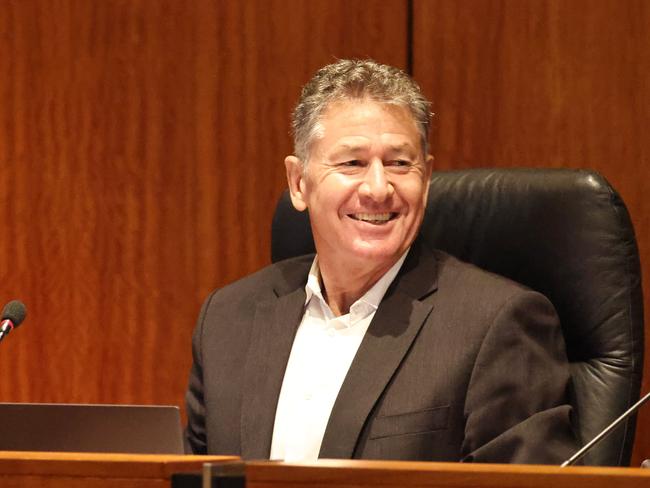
(344, 285)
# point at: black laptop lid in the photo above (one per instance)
(147, 429)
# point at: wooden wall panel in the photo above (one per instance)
(544, 83)
(141, 149)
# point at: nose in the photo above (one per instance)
(375, 184)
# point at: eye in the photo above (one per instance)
(351, 163)
(399, 162)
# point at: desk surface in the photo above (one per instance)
(394, 474)
(76, 470)
(89, 470)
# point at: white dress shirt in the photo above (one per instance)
(322, 352)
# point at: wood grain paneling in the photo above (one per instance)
(544, 83)
(141, 148)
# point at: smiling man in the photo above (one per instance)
(377, 347)
(365, 184)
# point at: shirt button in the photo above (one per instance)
(307, 396)
(331, 332)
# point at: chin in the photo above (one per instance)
(378, 251)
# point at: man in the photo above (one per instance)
(377, 347)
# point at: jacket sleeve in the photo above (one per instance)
(195, 434)
(516, 407)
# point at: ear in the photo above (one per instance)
(296, 181)
(429, 166)
(428, 171)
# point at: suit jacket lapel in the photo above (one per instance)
(394, 327)
(275, 325)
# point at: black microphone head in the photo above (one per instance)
(15, 311)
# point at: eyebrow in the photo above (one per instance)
(403, 145)
(351, 147)
(348, 149)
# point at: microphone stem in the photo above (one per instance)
(5, 327)
(604, 433)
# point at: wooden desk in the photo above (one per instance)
(72, 470)
(395, 474)
(83, 470)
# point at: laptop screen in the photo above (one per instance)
(145, 429)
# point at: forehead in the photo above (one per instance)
(363, 122)
(355, 111)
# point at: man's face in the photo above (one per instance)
(365, 184)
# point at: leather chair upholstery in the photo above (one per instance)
(565, 233)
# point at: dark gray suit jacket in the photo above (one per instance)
(457, 364)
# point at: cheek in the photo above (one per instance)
(334, 190)
(415, 193)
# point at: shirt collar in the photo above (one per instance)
(372, 297)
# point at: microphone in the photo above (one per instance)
(12, 316)
(605, 432)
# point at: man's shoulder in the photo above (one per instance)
(273, 280)
(475, 297)
(455, 274)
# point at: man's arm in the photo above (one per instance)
(516, 407)
(195, 435)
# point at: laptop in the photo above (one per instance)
(145, 429)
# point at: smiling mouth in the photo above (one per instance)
(375, 218)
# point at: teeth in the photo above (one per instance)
(366, 217)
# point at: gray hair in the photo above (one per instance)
(356, 80)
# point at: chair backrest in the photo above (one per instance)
(563, 232)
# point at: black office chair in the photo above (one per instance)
(565, 233)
